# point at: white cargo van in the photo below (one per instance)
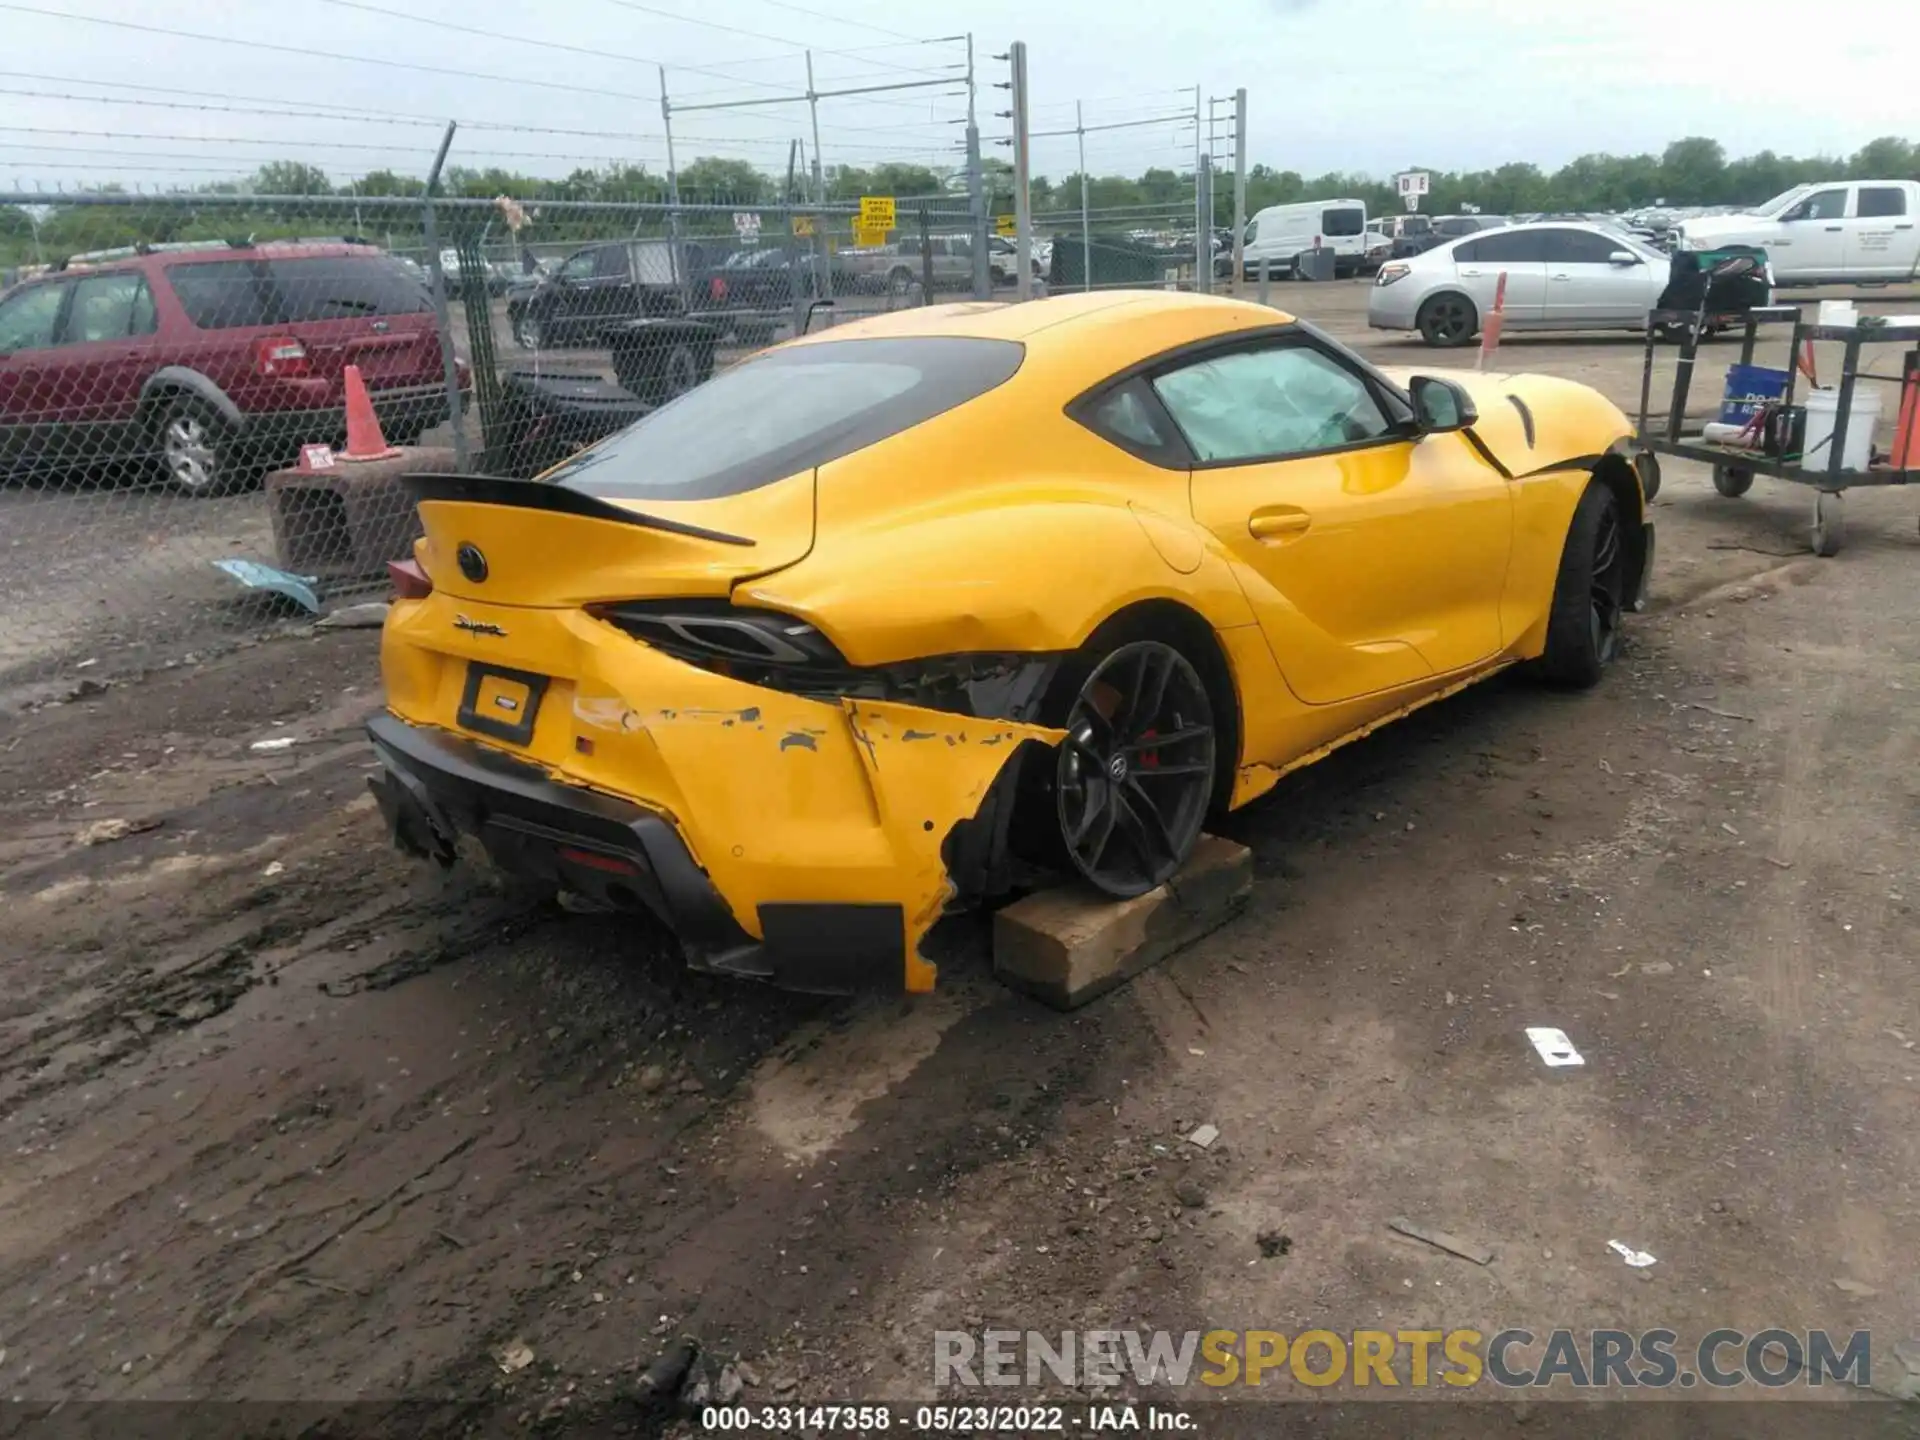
(1840, 230)
(1279, 233)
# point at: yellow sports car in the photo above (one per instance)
(890, 618)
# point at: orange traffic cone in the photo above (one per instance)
(1906, 430)
(1493, 323)
(364, 440)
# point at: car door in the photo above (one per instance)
(1375, 558)
(1586, 286)
(1521, 256)
(31, 383)
(1810, 239)
(572, 291)
(1882, 243)
(106, 353)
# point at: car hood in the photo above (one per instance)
(1716, 227)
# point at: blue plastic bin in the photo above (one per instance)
(1748, 388)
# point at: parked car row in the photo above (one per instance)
(217, 361)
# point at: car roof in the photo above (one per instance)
(1087, 319)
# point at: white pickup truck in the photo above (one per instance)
(1839, 231)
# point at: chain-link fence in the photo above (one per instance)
(169, 364)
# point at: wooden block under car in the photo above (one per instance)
(347, 521)
(1068, 946)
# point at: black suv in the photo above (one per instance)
(594, 288)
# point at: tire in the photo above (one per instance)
(663, 371)
(528, 332)
(1829, 523)
(1732, 481)
(195, 445)
(1589, 594)
(1132, 783)
(1649, 469)
(1448, 321)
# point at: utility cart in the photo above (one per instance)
(1834, 462)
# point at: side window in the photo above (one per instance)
(1270, 403)
(104, 307)
(1881, 200)
(1821, 205)
(26, 320)
(1466, 253)
(1126, 417)
(225, 294)
(1579, 247)
(610, 262)
(1519, 247)
(579, 267)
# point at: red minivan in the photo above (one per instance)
(219, 361)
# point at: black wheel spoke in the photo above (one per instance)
(1149, 690)
(1167, 741)
(1162, 772)
(1140, 821)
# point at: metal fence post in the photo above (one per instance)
(1086, 225)
(1203, 232)
(1265, 279)
(926, 258)
(1239, 190)
(1022, 174)
(441, 319)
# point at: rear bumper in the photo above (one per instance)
(400, 408)
(434, 787)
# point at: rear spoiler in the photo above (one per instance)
(543, 495)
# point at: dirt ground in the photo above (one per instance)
(287, 1116)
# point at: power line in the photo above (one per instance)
(307, 53)
(838, 19)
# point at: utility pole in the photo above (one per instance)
(1022, 166)
(976, 191)
(1202, 230)
(1239, 188)
(813, 105)
(1086, 234)
(666, 123)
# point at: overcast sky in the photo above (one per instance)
(1366, 85)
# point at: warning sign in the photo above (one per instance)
(1004, 225)
(876, 212)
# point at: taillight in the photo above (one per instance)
(280, 356)
(1391, 273)
(410, 582)
(717, 288)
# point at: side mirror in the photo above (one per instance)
(1440, 405)
(1623, 257)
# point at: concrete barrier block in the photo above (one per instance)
(348, 521)
(1068, 946)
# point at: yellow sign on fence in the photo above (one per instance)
(876, 212)
(1004, 225)
(803, 225)
(867, 239)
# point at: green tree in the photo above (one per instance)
(290, 177)
(1888, 158)
(713, 180)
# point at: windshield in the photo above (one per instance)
(786, 411)
(1343, 222)
(1782, 200)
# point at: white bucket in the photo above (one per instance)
(1822, 407)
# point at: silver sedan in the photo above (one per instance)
(1560, 276)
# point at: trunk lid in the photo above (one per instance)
(546, 545)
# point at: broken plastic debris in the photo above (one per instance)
(1554, 1046)
(274, 869)
(267, 747)
(1639, 1259)
(370, 616)
(1204, 1136)
(513, 1356)
(255, 576)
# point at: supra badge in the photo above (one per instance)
(472, 563)
(477, 627)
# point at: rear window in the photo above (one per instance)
(787, 411)
(1343, 222)
(339, 287)
(241, 294)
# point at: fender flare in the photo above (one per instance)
(179, 377)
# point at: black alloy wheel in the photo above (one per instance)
(1136, 771)
(1448, 321)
